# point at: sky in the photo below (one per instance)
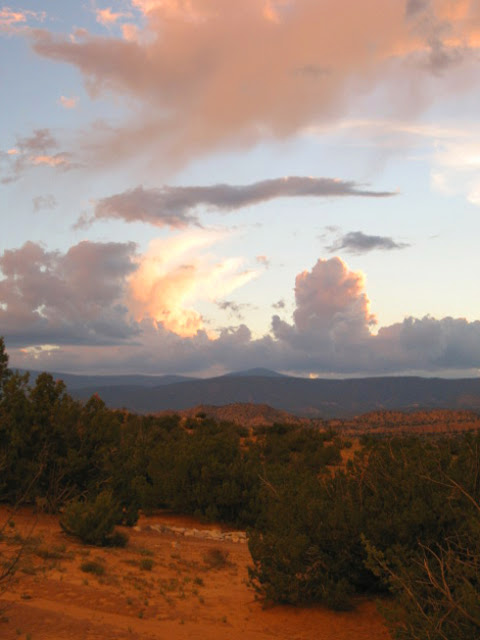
(204, 186)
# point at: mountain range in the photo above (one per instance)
(316, 398)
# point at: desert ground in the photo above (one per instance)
(176, 578)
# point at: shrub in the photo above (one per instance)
(94, 567)
(215, 558)
(93, 521)
(146, 564)
(437, 592)
(403, 517)
(117, 539)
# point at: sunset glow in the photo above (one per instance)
(172, 275)
(207, 185)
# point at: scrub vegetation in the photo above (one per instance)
(398, 518)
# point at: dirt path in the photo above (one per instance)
(176, 579)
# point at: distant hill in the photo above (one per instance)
(77, 381)
(318, 398)
(258, 372)
(429, 421)
(244, 414)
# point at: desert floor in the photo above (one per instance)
(175, 579)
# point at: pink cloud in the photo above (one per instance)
(68, 103)
(8, 17)
(332, 313)
(130, 32)
(330, 294)
(175, 274)
(51, 161)
(37, 150)
(108, 17)
(13, 20)
(272, 9)
(177, 8)
(215, 74)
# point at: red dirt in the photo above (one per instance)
(181, 597)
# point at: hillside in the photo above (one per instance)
(318, 398)
(244, 414)
(433, 421)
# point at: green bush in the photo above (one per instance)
(93, 521)
(413, 503)
(306, 549)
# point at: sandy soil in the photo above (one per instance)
(163, 585)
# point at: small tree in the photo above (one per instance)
(437, 589)
(5, 372)
(93, 521)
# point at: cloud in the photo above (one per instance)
(56, 160)
(263, 260)
(212, 76)
(167, 9)
(280, 304)
(131, 32)
(429, 344)
(11, 21)
(107, 17)
(330, 295)
(37, 150)
(332, 325)
(453, 151)
(175, 206)
(38, 143)
(100, 293)
(434, 22)
(234, 308)
(456, 165)
(358, 243)
(332, 311)
(47, 202)
(161, 207)
(175, 273)
(103, 307)
(413, 7)
(71, 298)
(68, 103)
(8, 18)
